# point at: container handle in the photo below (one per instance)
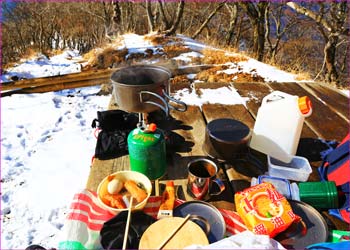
(183, 105)
(165, 108)
(275, 96)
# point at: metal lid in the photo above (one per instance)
(311, 230)
(207, 211)
(228, 130)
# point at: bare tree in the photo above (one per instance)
(211, 15)
(281, 22)
(330, 19)
(233, 9)
(175, 24)
(257, 14)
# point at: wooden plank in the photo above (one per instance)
(323, 121)
(237, 112)
(186, 140)
(334, 99)
(101, 168)
(57, 86)
(256, 92)
(44, 81)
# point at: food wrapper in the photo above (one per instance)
(264, 210)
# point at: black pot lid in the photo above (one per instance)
(207, 211)
(228, 130)
(298, 236)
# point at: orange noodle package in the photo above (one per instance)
(264, 210)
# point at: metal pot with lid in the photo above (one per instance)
(226, 139)
(143, 89)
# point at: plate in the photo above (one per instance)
(210, 214)
(313, 228)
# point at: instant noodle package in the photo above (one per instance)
(264, 210)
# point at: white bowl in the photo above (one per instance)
(124, 176)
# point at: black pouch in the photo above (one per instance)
(114, 125)
(112, 232)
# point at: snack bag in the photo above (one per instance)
(264, 210)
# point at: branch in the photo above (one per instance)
(309, 13)
(209, 18)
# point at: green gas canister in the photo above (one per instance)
(147, 151)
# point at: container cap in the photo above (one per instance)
(305, 105)
(152, 127)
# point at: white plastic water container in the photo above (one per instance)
(278, 125)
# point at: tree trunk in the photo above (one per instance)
(117, 18)
(212, 14)
(163, 16)
(179, 12)
(330, 51)
(233, 22)
(257, 18)
(150, 17)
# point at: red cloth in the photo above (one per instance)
(87, 209)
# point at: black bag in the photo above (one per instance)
(114, 125)
(112, 232)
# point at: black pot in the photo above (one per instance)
(226, 139)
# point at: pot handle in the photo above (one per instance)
(183, 105)
(206, 225)
(165, 108)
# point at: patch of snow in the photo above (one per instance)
(42, 66)
(187, 57)
(268, 72)
(346, 92)
(223, 95)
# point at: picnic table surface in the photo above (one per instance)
(329, 121)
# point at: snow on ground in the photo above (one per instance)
(42, 66)
(46, 147)
(254, 67)
(223, 95)
(47, 142)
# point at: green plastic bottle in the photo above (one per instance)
(147, 152)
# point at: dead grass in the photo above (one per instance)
(304, 76)
(211, 76)
(108, 57)
(161, 39)
(220, 57)
(180, 82)
(245, 77)
(175, 50)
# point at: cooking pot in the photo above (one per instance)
(226, 139)
(143, 89)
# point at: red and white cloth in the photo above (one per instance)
(86, 217)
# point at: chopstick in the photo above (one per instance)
(174, 232)
(127, 224)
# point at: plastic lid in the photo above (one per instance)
(305, 105)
